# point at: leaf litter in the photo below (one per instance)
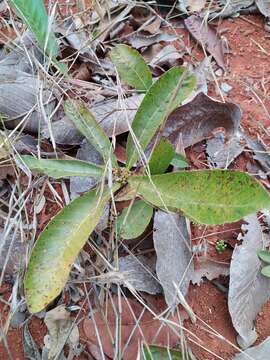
(115, 114)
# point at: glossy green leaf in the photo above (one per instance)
(153, 352)
(264, 255)
(58, 246)
(266, 271)
(160, 100)
(63, 168)
(131, 67)
(161, 156)
(179, 161)
(33, 13)
(206, 196)
(134, 220)
(87, 125)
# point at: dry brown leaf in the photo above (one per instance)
(197, 120)
(132, 330)
(207, 37)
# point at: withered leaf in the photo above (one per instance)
(207, 37)
(197, 120)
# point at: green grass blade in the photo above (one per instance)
(206, 196)
(87, 125)
(63, 168)
(161, 156)
(33, 13)
(133, 221)
(131, 67)
(161, 99)
(58, 246)
(153, 352)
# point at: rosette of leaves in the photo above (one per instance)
(205, 196)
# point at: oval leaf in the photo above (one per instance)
(133, 221)
(206, 196)
(33, 13)
(63, 168)
(131, 67)
(161, 156)
(264, 255)
(87, 125)
(153, 352)
(266, 271)
(58, 246)
(160, 100)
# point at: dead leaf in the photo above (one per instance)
(139, 40)
(113, 116)
(173, 267)
(30, 348)
(61, 330)
(197, 120)
(137, 325)
(221, 153)
(79, 185)
(167, 55)
(261, 154)
(220, 8)
(195, 5)
(139, 273)
(248, 289)
(264, 7)
(207, 37)
(210, 270)
(153, 26)
(18, 99)
(13, 252)
(256, 352)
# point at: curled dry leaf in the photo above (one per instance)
(18, 99)
(138, 41)
(213, 9)
(264, 7)
(79, 185)
(207, 37)
(248, 290)
(172, 241)
(258, 352)
(210, 270)
(221, 153)
(139, 273)
(114, 116)
(61, 330)
(137, 325)
(198, 119)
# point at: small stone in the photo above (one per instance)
(225, 87)
(219, 72)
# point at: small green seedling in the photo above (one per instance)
(264, 255)
(221, 246)
(205, 196)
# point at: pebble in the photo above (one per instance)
(225, 87)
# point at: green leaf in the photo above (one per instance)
(206, 196)
(131, 67)
(33, 13)
(161, 156)
(266, 271)
(179, 161)
(63, 168)
(134, 220)
(58, 246)
(153, 352)
(160, 100)
(264, 255)
(87, 125)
